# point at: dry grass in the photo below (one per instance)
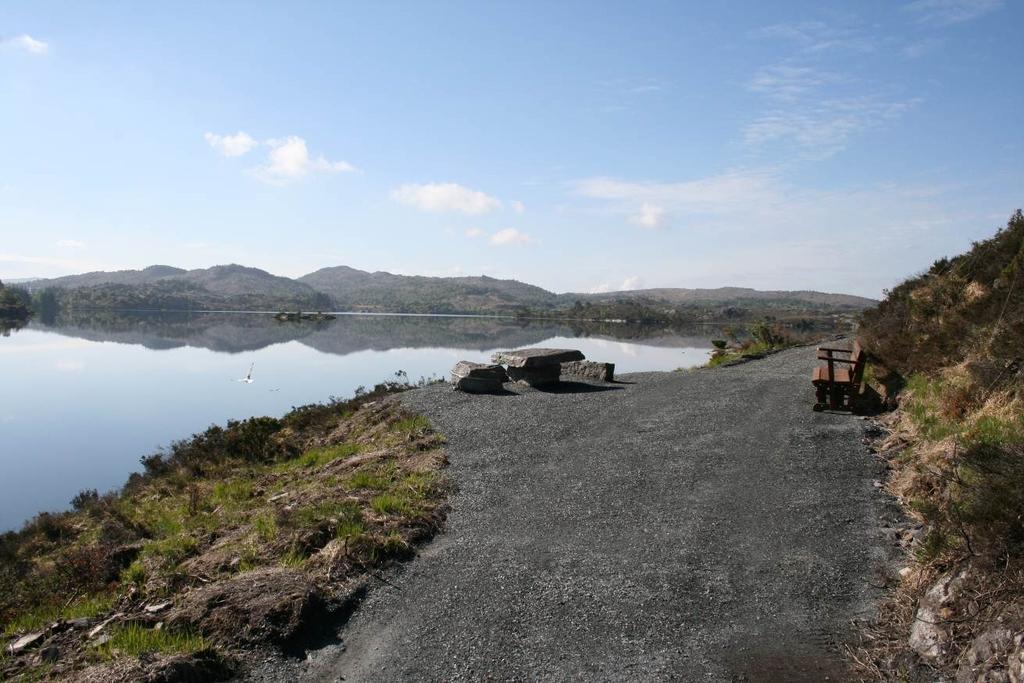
(956, 457)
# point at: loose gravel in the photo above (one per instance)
(702, 525)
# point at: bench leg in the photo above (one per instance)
(820, 397)
(835, 397)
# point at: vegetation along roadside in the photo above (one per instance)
(949, 346)
(255, 534)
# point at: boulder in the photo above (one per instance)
(929, 636)
(536, 358)
(25, 642)
(588, 369)
(989, 658)
(478, 377)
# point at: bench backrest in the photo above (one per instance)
(857, 356)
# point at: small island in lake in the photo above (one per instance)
(296, 316)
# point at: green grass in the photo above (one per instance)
(372, 480)
(923, 408)
(411, 424)
(390, 504)
(232, 492)
(133, 640)
(421, 485)
(88, 606)
(753, 349)
(135, 573)
(293, 559)
(318, 457)
(312, 515)
(993, 431)
(265, 527)
(172, 550)
(350, 529)
(162, 517)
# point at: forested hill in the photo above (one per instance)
(167, 288)
(343, 288)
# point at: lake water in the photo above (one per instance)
(84, 398)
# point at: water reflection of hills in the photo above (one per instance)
(240, 332)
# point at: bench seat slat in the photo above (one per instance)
(841, 375)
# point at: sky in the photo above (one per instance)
(579, 146)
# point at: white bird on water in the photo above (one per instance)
(248, 378)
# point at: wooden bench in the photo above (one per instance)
(836, 387)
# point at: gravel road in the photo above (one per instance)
(702, 525)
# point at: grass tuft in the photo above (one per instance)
(390, 504)
(134, 640)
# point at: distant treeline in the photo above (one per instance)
(651, 312)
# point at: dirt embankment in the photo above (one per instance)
(950, 344)
(257, 536)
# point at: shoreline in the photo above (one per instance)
(308, 506)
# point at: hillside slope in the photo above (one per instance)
(164, 287)
(353, 289)
(344, 288)
(739, 296)
(952, 339)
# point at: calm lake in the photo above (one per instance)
(85, 398)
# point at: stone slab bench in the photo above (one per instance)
(477, 378)
(536, 367)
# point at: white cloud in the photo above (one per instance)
(473, 233)
(715, 194)
(231, 145)
(787, 82)
(825, 128)
(649, 216)
(289, 160)
(629, 284)
(71, 244)
(510, 237)
(518, 207)
(442, 197)
(945, 12)
(817, 36)
(920, 48)
(27, 43)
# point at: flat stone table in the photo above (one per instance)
(536, 367)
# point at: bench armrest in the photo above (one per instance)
(828, 348)
(832, 359)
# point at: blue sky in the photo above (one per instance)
(580, 146)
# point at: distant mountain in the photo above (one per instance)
(117, 277)
(165, 287)
(353, 289)
(238, 287)
(735, 296)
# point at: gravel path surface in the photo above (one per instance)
(702, 525)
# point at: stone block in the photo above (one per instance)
(536, 358)
(588, 369)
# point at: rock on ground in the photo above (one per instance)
(929, 635)
(478, 377)
(588, 369)
(535, 358)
